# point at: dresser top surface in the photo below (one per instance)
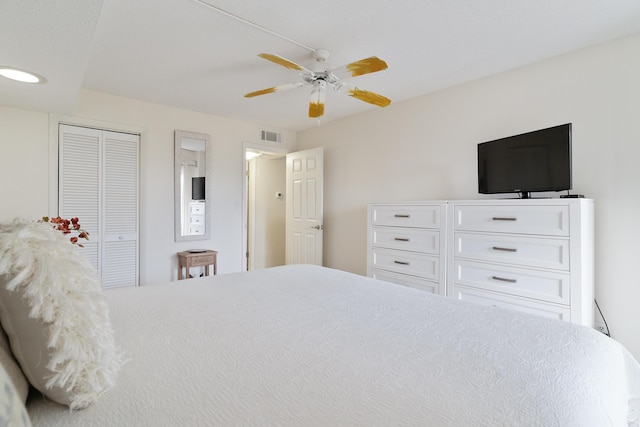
(506, 201)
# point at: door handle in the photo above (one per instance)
(318, 227)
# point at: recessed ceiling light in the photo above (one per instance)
(21, 75)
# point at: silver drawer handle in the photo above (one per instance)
(402, 262)
(502, 279)
(500, 218)
(402, 216)
(498, 248)
(401, 239)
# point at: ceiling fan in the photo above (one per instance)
(320, 76)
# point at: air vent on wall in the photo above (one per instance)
(270, 136)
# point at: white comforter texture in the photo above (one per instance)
(309, 346)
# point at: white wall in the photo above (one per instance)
(24, 164)
(425, 148)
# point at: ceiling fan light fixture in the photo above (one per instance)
(316, 110)
(19, 75)
(318, 97)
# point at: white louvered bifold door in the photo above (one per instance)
(120, 213)
(98, 183)
(79, 183)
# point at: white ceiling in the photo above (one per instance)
(184, 54)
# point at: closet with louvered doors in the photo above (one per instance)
(98, 183)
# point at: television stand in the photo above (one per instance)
(526, 198)
(525, 195)
(534, 256)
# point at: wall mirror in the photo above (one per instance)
(192, 207)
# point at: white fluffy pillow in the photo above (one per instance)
(55, 315)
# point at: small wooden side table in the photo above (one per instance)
(197, 258)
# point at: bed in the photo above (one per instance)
(303, 345)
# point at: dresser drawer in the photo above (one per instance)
(411, 263)
(520, 304)
(542, 220)
(196, 209)
(406, 215)
(530, 252)
(409, 239)
(537, 284)
(196, 219)
(410, 281)
(201, 260)
(196, 229)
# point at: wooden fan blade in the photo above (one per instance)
(318, 96)
(359, 68)
(282, 62)
(370, 97)
(274, 89)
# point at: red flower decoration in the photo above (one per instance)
(67, 226)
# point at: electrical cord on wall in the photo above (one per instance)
(607, 333)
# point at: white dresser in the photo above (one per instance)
(196, 218)
(406, 244)
(533, 255)
(530, 255)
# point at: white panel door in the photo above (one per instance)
(304, 218)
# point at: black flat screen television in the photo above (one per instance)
(197, 188)
(530, 162)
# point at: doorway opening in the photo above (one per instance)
(264, 206)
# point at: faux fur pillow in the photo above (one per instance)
(55, 315)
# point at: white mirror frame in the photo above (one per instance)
(183, 139)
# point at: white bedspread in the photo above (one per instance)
(307, 346)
